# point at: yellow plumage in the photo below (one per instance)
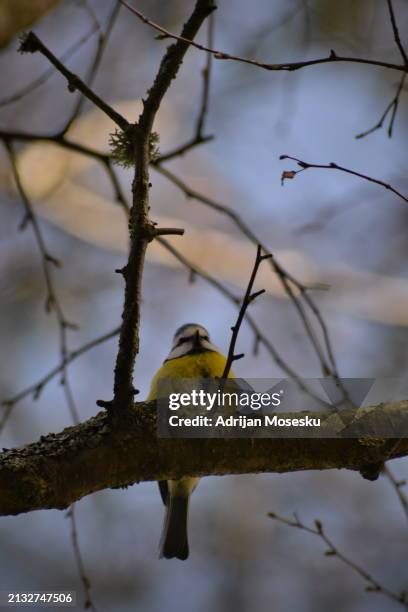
(201, 365)
(192, 356)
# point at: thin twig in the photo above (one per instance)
(301, 288)
(372, 584)
(249, 297)
(36, 388)
(289, 66)
(290, 174)
(59, 140)
(393, 107)
(182, 149)
(260, 338)
(329, 366)
(202, 116)
(198, 137)
(87, 6)
(102, 44)
(395, 101)
(43, 78)
(86, 583)
(30, 43)
(52, 301)
(398, 485)
(396, 33)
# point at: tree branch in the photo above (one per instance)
(296, 291)
(36, 388)
(398, 485)
(393, 107)
(198, 138)
(99, 453)
(30, 43)
(248, 298)
(43, 78)
(52, 302)
(290, 174)
(396, 33)
(102, 44)
(139, 223)
(372, 584)
(289, 66)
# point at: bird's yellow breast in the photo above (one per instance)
(200, 365)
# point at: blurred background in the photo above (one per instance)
(323, 226)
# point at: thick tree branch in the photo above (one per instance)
(98, 454)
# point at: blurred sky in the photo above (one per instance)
(326, 225)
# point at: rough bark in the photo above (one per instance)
(103, 453)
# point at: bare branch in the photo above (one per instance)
(43, 78)
(36, 388)
(86, 583)
(198, 137)
(58, 139)
(30, 43)
(396, 33)
(139, 222)
(168, 231)
(286, 278)
(398, 485)
(102, 43)
(52, 303)
(290, 66)
(290, 174)
(289, 282)
(393, 107)
(260, 338)
(182, 149)
(248, 298)
(372, 584)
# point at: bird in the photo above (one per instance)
(192, 355)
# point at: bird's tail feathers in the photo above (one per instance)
(174, 542)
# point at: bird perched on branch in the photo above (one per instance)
(192, 356)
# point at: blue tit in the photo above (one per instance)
(192, 356)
